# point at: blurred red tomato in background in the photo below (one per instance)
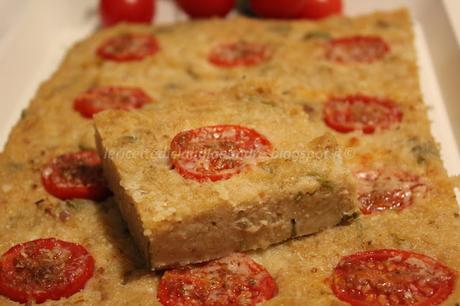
(316, 9)
(206, 8)
(285, 9)
(134, 11)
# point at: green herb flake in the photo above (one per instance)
(424, 151)
(72, 204)
(326, 184)
(298, 197)
(349, 218)
(129, 138)
(282, 29)
(317, 35)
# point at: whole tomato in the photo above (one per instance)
(317, 9)
(285, 9)
(134, 11)
(206, 8)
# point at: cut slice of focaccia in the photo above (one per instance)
(207, 174)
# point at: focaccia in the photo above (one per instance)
(304, 271)
(295, 183)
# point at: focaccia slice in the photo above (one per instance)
(207, 174)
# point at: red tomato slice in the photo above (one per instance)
(99, 99)
(317, 9)
(137, 11)
(361, 113)
(285, 9)
(217, 152)
(392, 277)
(75, 175)
(357, 49)
(240, 53)
(206, 8)
(384, 190)
(128, 47)
(44, 269)
(233, 280)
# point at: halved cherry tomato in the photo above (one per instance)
(206, 8)
(75, 175)
(128, 47)
(99, 99)
(361, 113)
(381, 190)
(44, 269)
(317, 9)
(241, 53)
(135, 11)
(285, 9)
(357, 49)
(217, 152)
(392, 277)
(233, 280)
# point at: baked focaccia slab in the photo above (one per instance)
(301, 272)
(237, 174)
